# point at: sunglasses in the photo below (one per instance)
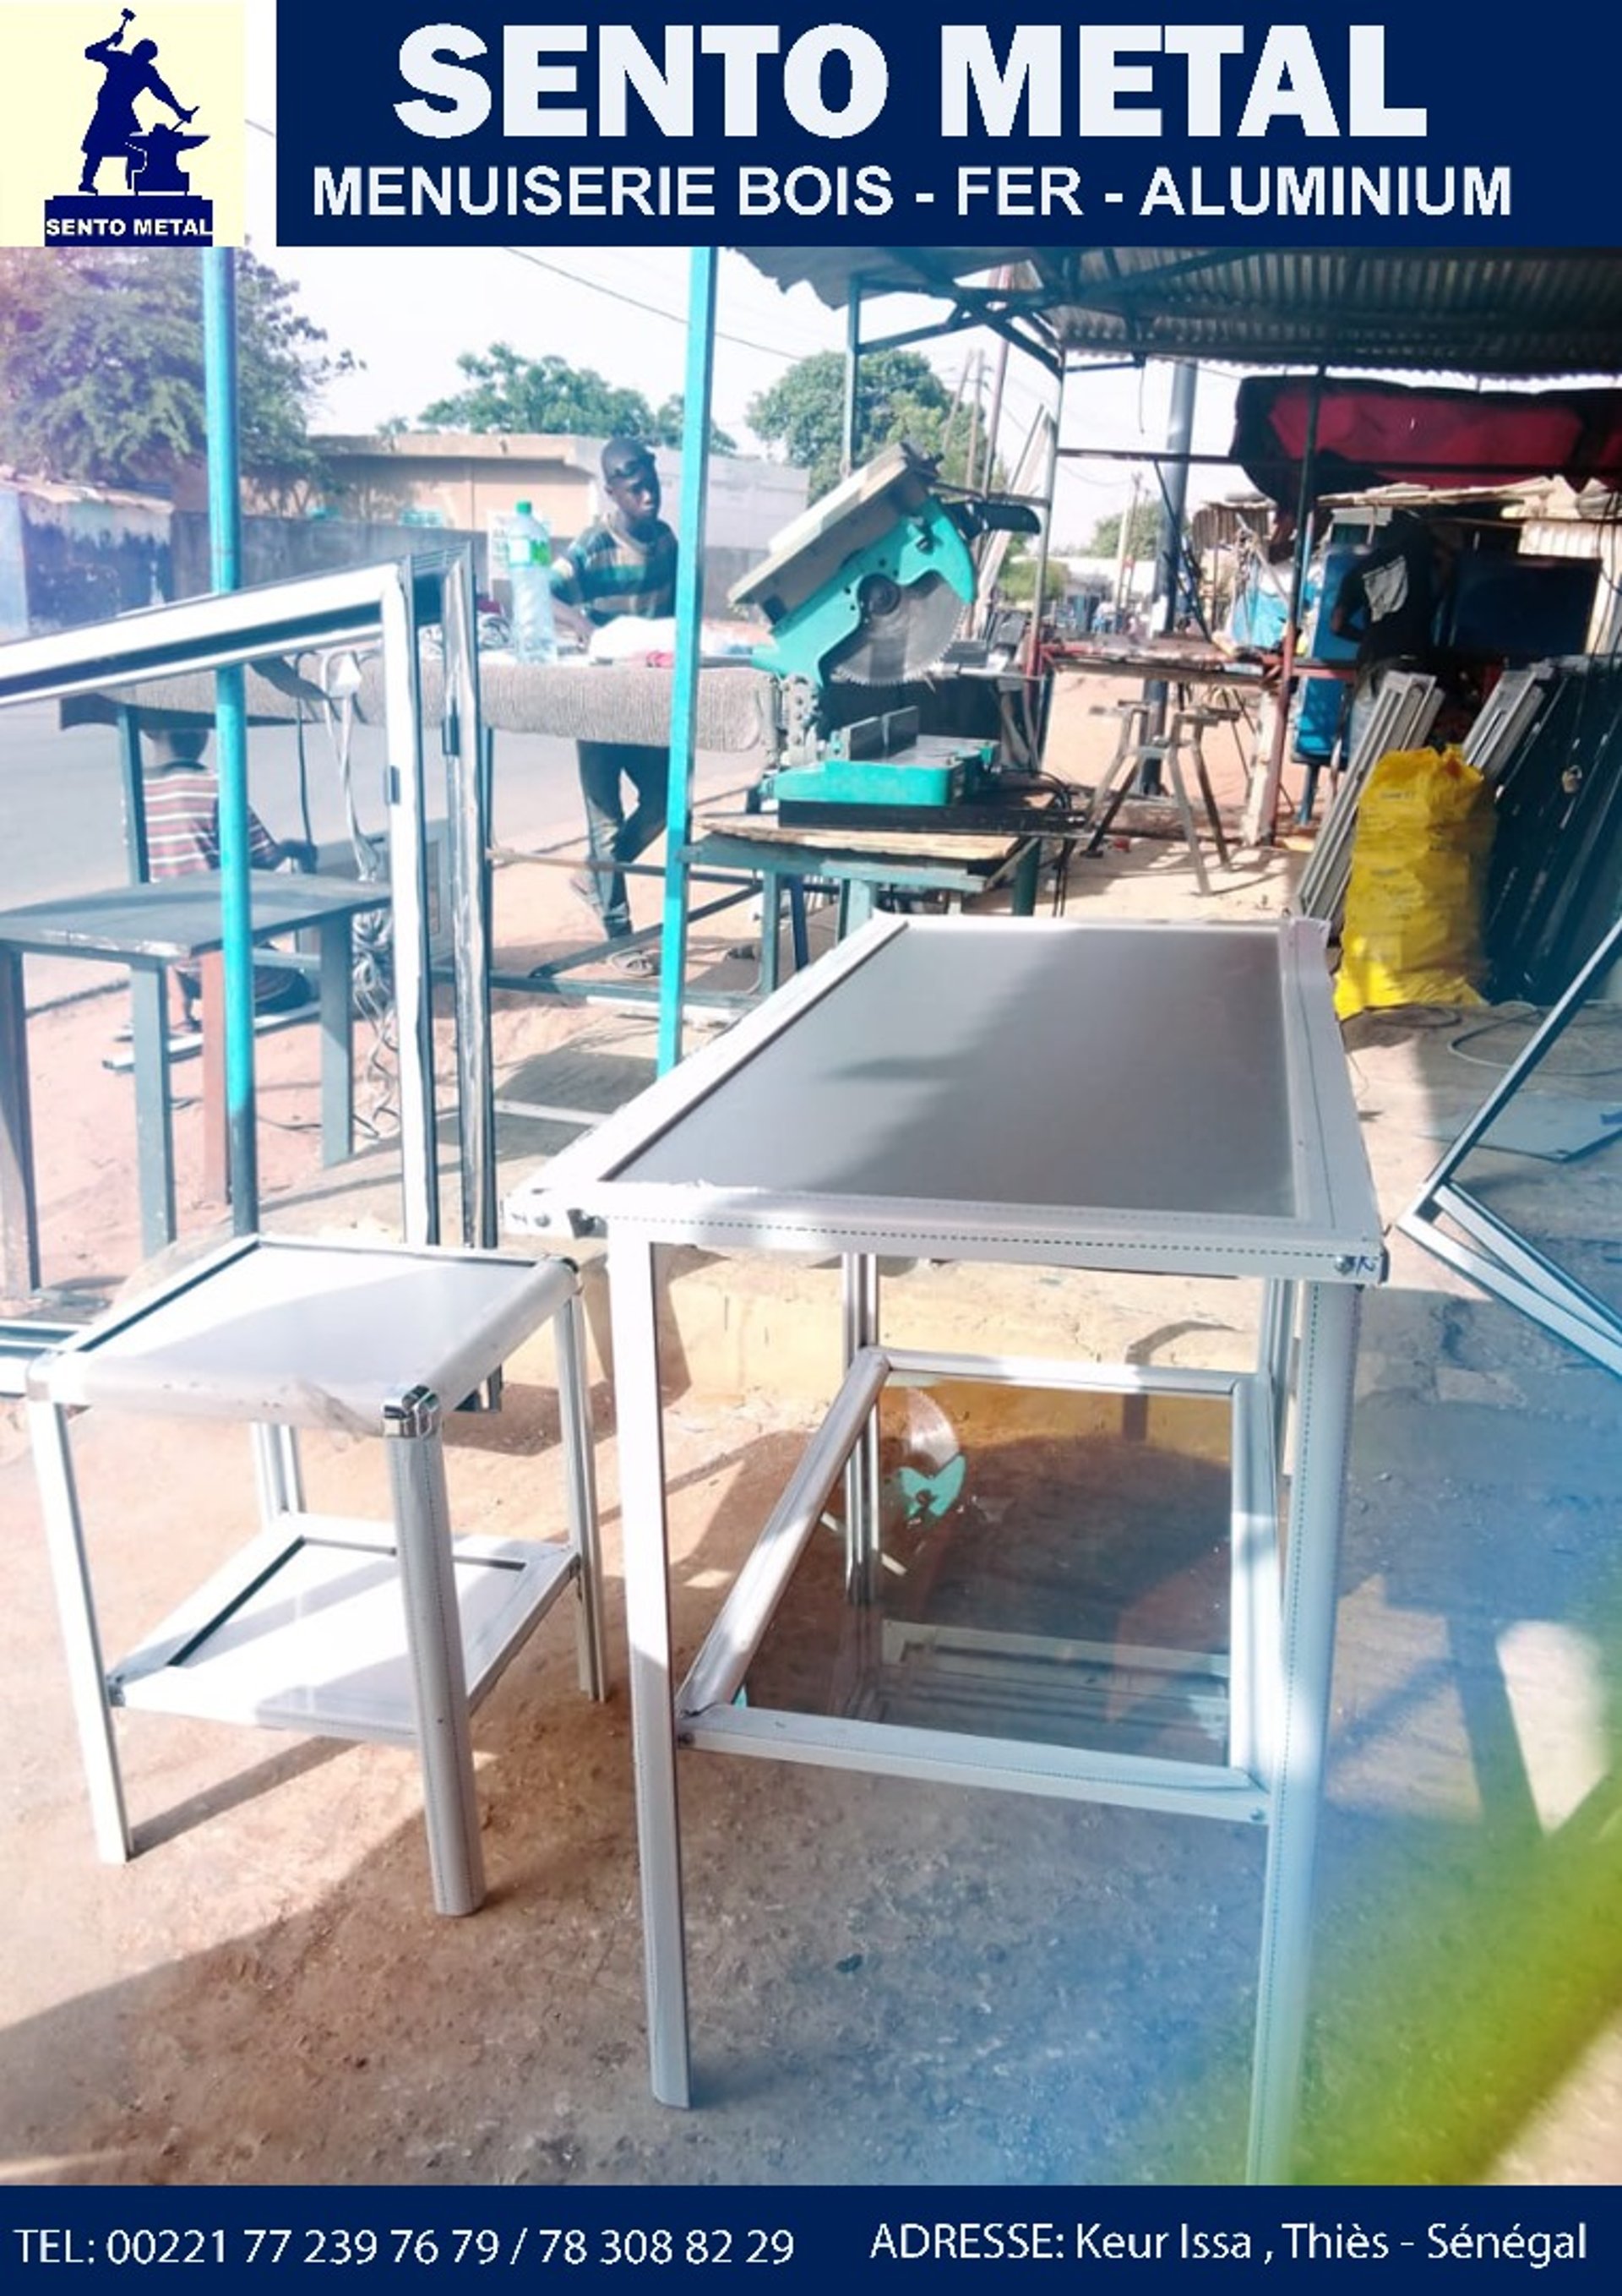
(642, 471)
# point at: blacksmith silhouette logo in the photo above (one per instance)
(152, 201)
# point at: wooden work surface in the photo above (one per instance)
(969, 848)
(1174, 665)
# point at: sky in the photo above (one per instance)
(407, 315)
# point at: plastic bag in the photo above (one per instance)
(1413, 904)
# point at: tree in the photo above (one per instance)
(899, 395)
(1019, 577)
(509, 392)
(102, 368)
(1143, 536)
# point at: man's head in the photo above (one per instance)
(178, 747)
(633, 484)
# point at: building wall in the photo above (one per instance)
(473, 482)
(75, 555)
(283, 549)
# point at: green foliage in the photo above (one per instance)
(899, 395)
(509, 392)
(1018, 583)
(102, 368)
(1143, 534)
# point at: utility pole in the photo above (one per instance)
(1122, 550)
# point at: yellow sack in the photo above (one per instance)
(1413, 929)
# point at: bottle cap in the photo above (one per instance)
(522, 509)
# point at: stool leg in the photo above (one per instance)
(1111, 795)
(1185, 812)
(1219, 836)
(433, 1640)
(568, 1332)
(278, 1473)
(76, 1608)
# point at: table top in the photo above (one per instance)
(176, 918)
(949, 838)
(1063, 1092)
(308, 1333)
(1174, 665)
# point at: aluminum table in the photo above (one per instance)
(149, 928)
(1061, 1094)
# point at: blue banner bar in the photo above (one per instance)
(472, 124)
(812, 2237)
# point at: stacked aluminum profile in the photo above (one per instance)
(1403, 712)
(1401, 716)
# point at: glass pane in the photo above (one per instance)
(1054, 1569)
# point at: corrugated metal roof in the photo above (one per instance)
(1520, 313)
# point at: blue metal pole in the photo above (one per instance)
(689, 626)
(230, 731)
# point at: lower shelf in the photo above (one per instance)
(304, 1629)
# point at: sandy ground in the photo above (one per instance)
(889, 1982)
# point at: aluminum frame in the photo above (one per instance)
(302, 1628)
(386, 603)
(1313, 1264)
(1495, 1256)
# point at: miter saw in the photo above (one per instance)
(868, 587)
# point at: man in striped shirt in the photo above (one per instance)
(181, 803)
(622, 565)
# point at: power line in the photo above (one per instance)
(653, 310)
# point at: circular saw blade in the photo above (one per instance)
(904, 631)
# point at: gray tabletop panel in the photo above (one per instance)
(177, 917)
(1143, 1070)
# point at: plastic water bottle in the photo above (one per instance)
(530, 574)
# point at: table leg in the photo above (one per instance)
(647, 1595)
(433, 1638)
(148, 1030)
(1022, 892)
(1275, 1353)
(573, 1411)
(217, 1117)
(1328, 1354)
(19, 1203)
(81, 1638)
(857, 903)
(336, 987)
(860, 1281)
(771, 930)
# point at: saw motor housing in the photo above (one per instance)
(866, 587)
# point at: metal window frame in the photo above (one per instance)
(1495, 1256)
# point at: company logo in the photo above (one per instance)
(130, 138)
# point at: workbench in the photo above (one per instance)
(947, 854)
(983, 1091)
(149, 928)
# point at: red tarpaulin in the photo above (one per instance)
(1374, 434)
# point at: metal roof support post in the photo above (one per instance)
(230, 731)
(853, 364)
(1032, 643)
(1261, 801)
(1168, 557)
(688, 630)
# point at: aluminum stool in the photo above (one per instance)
(388, 1631)
(1186, 728)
